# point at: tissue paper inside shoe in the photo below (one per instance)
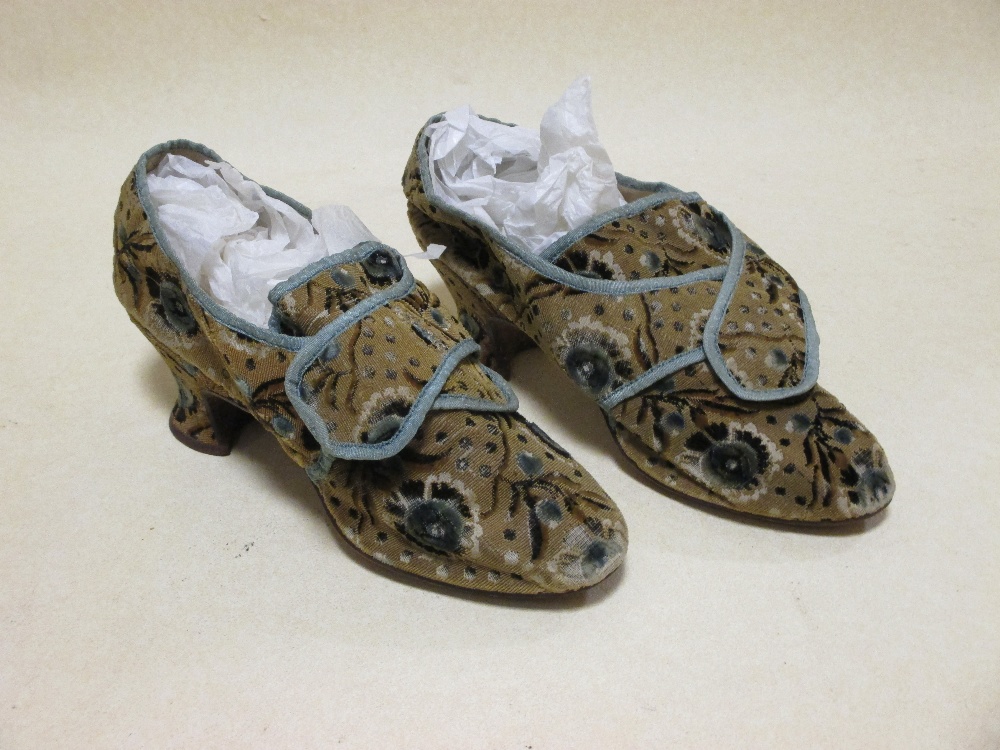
(235, 240)
(532, 186)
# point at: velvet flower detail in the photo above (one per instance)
(170, 304)
(698, 224)
(866, 483)
(596, 357)
(733, 460)
(435, 514)
(591, 264)
(383, 415)
(586, 555)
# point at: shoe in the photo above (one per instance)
(699, 348)
(416, 448)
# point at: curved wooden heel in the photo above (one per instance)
(203, 421)
(499, 339)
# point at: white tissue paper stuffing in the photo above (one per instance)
(238, 242)
(532, 186)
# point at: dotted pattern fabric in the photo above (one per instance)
(805, 458)
(479, 500)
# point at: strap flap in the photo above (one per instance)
(760, 338)
(365, 382)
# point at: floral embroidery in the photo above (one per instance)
(594, 355)
(733, 459)
(699, 225)
(170, 303)
(481, 500)
(436, 515)
(803, 458)
(591, 264)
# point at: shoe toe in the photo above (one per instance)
(481, 501)
(804, 460)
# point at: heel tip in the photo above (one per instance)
(208, 425)
(211, 449)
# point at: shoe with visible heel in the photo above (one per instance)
(700, 349)
(201, 420)
(415, 447)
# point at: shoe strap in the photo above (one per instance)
(761, 338)
(745, 339)
(364, 382)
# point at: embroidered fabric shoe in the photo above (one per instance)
(700, 349)
(416, 448)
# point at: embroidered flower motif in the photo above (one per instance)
(594, 355)
(591, 264)
(383, 415)
(777, 359)
(435, 514)
(130, 247)
(867, 482)
(170, 303)
(586, 555)
(733, 459)
(529, 463)
(799, 423)
(651, 261)
(548, 512)
(283, 426)
(700, 226)
(176, 310)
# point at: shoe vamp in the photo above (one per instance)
(798, 458)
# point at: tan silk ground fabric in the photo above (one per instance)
(477, 499)
(803, 459)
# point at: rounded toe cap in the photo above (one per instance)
(484, 501)
(804, 460)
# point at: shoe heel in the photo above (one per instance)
(201, 420)
(499, 339)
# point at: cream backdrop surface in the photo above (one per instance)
(154, 597)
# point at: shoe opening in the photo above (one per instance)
(237, 241)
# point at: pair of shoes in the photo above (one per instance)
(700, 349)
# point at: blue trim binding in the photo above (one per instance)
(710, 340)
(542, 263)
(459, 402)
(659, 371)
(424, 402)
(728, 273)
(208, 304)
(359, 252)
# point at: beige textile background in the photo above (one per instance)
(153, 597)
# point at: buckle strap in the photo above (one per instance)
(394, 410)
(730, 359)
(754, 349)
(428, 398)
(781, 372)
